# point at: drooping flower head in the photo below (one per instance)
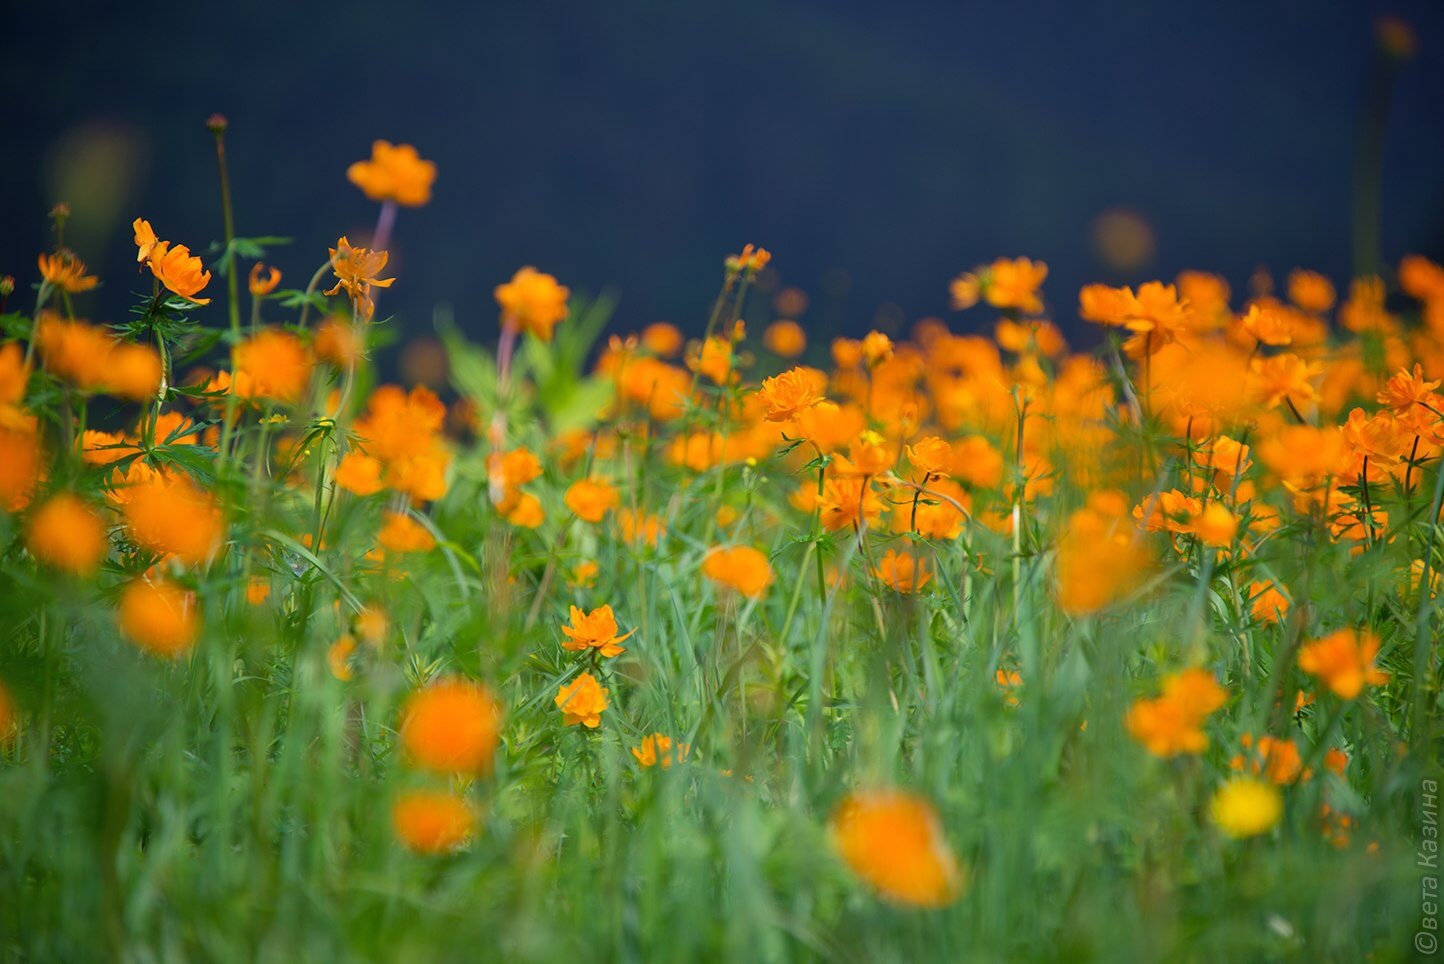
(357, 271)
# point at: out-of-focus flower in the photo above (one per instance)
(1173, 723)
(67, 534)
(659, 750)
(432, 821)
(532, 302)
(1344, 661)
(452, 725)
(159, 617)
(894, 842)
(394, 173)
(401, 533)
(786, 396)
(742, 568)
(262, 280)
(1246, 807)
(64, 270)
(902, 572)
(276, 363)
(785, 338)
(591, 499)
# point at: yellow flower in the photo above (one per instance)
(582, 701)
(894, 842)
(394, 173)
(67, 534)
(179, 271)
(594, 630)
(432, 821)
(1246, 807)
(532, 302)
(452, 726)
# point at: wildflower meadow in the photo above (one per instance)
(732, 640)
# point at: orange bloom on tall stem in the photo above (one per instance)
(64, 270)
(1173, 723)
(180, 271)
(277, 363)
(357, 271)
(532, 302)
(262, 286)
(594, 630)
(894, 842)
(394, 173)
(1344, 661)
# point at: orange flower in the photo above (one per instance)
(91, 358)
(1344, 661)
(662, 339)
(639, 527)
(742, 568)
(276, 363)
(785, 338)
(336, 342)
(9, 715)
(65, 271)
(170, 515)
(582, 701)
(1311, 291)
(338, 657)
(1173, 723)
(145, 240)
(359, 473)
(394, 173)
(67, 534)
(902, 571)
(713, 358)
(20, 463)
(876, 348)
(751, 260)
(179, 271)
(527, 513)
(656, 749)
(532, 302)
(594, 630)
(1267, 325)
(402, 533)
(357, 271)
(894, 842)
(258, 590)
(452, 726)
(788, 395)
(848, 502)
(1013, 284)
(432, 821)
(591, 499)
(932, 456)
(1281, 378)
(1379, 436)
(584, 574)
(158, 617)
(1215, 526)
(1266, 602)
(260, 287)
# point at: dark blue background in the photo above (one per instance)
(634, 144)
